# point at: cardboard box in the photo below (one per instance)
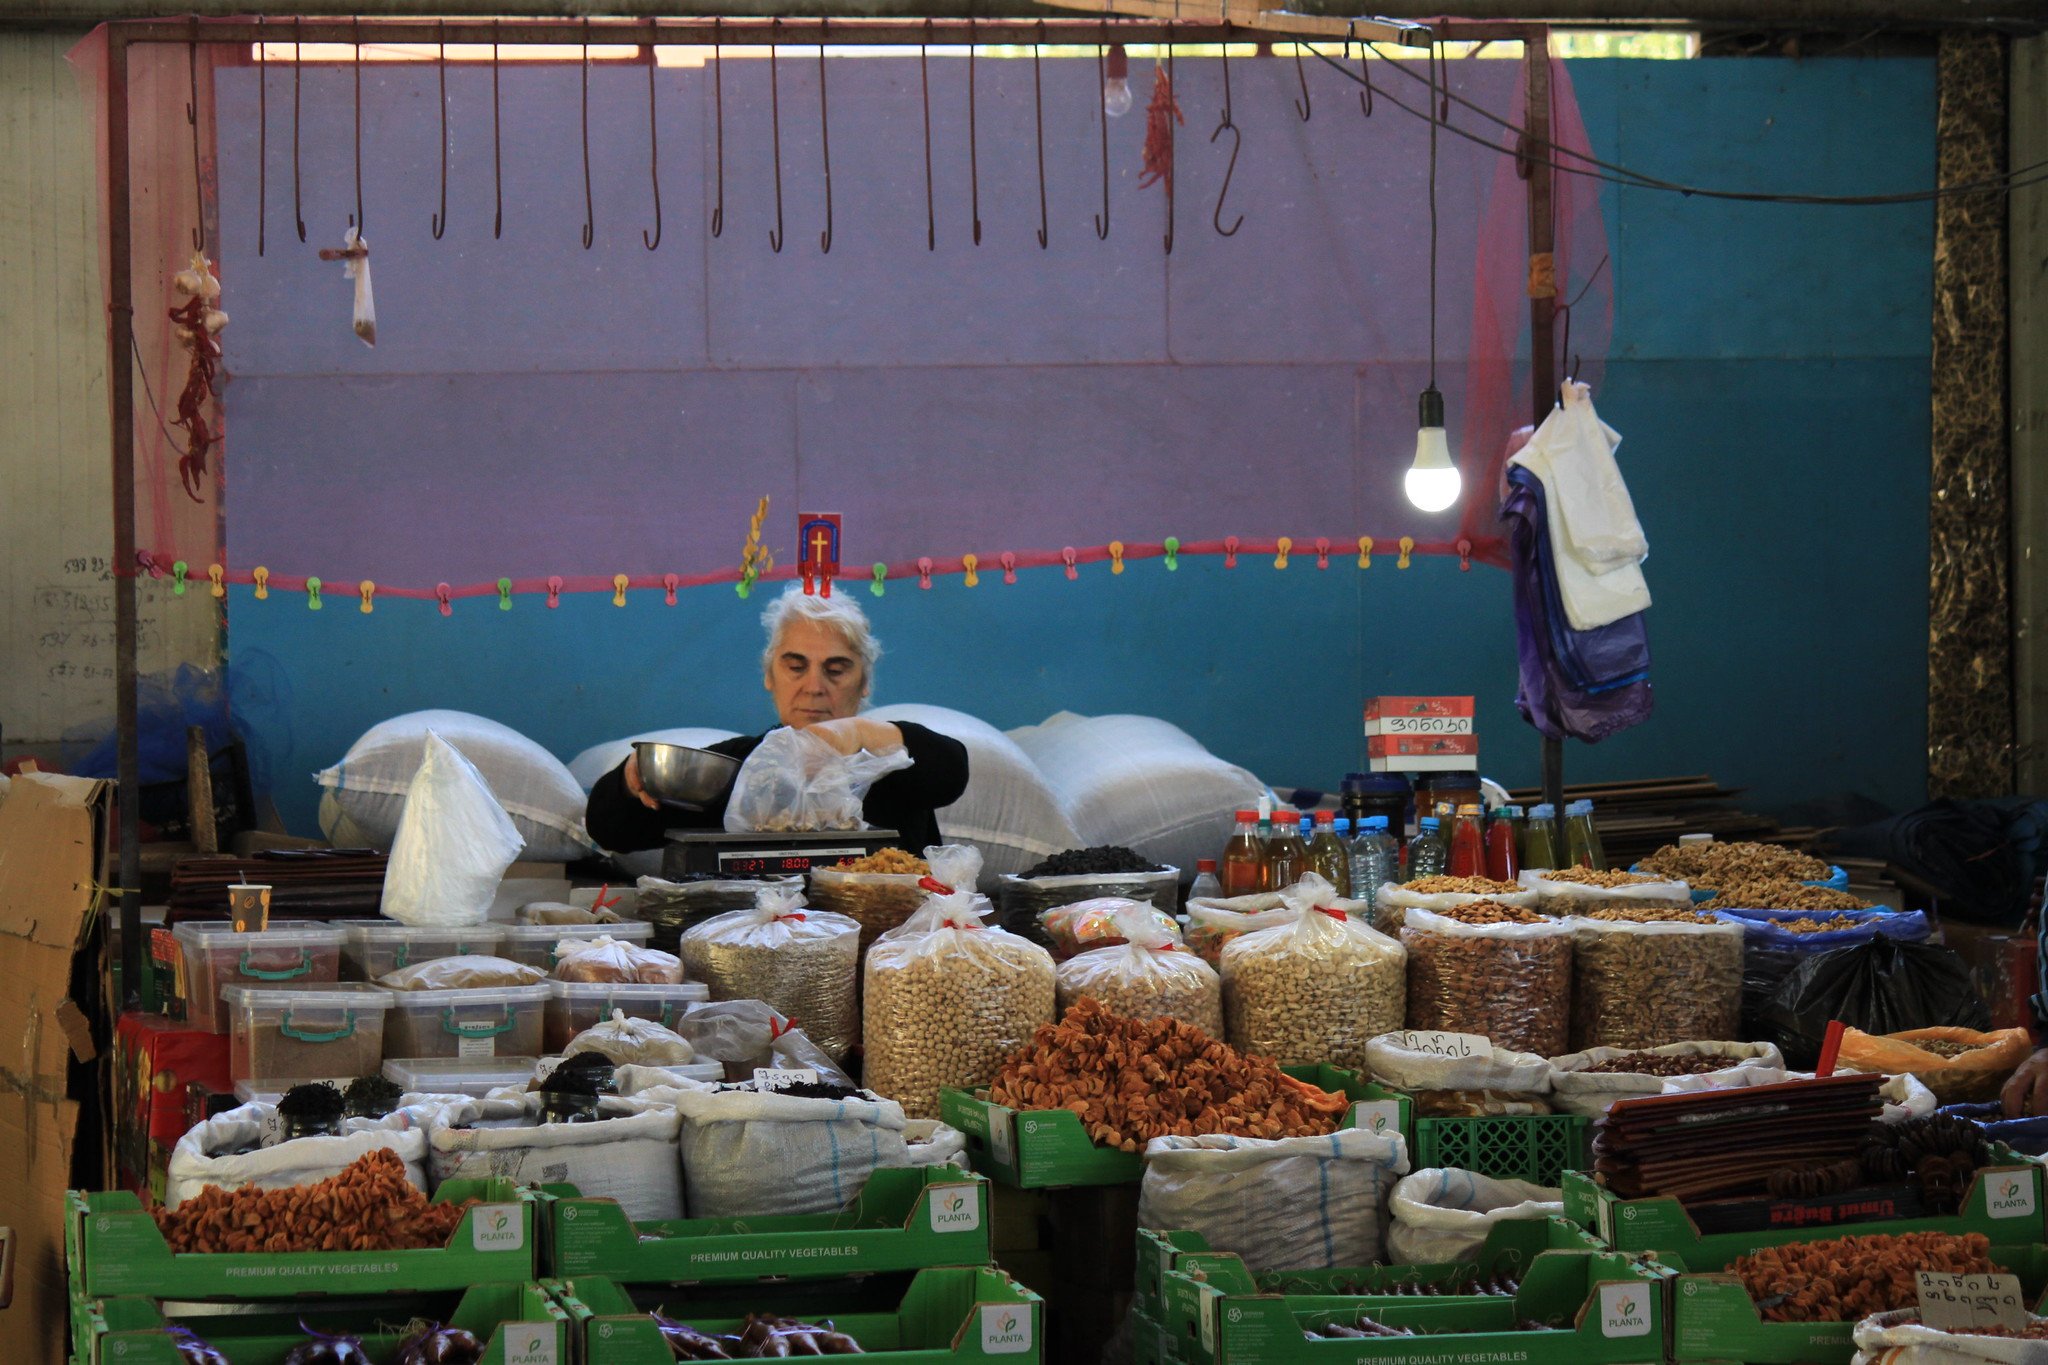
(516, 1322)
(954, 1314)
(1420, 708)
(1422, 746)
(1424, 763)
(906, 1219)
(53, 859)
(155, 1061)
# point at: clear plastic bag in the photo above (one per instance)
(1646, 985)
(1509, 983)
(1023, 902)
(633, 1042)
(615, 961)
(796, 781)
(1091, 924)
(1575, 898)
(674, 908)
(947, 998)
(1146, 976)
(745, 1034)
(453, 844)
(467, 973)
(1393, 902)
(1214, 921)
(1316, 989)
(803, 962)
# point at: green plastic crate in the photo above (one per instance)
(1533, 1147)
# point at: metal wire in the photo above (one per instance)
(192, 121)
(924, 78)
(775, 122)
(298, 214)
(825, 138)
(440, 221)
(1038, 109)
(262, 135)
(360, 223)
(653, 138)
(1102, 113)
(497, 165)
(973, 139)
(589, 200)
(718, 111)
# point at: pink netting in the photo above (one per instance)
(554, 417)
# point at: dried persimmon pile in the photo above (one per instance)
(1849, 1278)
(1132, 1080)
(367, 1206)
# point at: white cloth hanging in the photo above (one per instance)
(1595, 539)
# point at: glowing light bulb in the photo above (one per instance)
(1432, 483)
(1116, 83)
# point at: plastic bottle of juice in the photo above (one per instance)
(1374, 860)
(1468, 843)
(1427, 855)
(1286, 854)
(1582, 839)
(1207, 885)
(1503, 858)
(1539, 839)
(1244, 859)
(1327, 854)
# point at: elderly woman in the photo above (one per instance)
(819, 667)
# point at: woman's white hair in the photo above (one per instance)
(838, 613)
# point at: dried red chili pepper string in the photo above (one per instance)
(190, 318)
(1160, 115)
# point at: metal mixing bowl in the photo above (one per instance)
(676, 773)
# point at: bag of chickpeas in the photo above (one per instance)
(1148, 975)
(947, 996)
(1315, 989)
(1501, 971)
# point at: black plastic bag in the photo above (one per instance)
(1882, 986)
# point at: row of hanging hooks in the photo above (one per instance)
(651, 238)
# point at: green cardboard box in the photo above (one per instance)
(1041, 1148)
(1609, 1310)
(519, 1324)
(907, 1219)
(945, 1315)
(118, 1250)
(2004, 1203)
(1713, 1317)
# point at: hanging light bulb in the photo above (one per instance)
(1116, 83)
(1433, 482)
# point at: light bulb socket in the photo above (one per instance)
(1119, 65)
(1430, 408)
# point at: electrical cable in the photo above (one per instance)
(2019, 178)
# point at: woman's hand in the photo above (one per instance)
(2026, 1094)
(852, 734)
(633, 783)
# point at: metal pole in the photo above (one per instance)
(1542, 300)
(121, 314)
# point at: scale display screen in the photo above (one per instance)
(756, 862)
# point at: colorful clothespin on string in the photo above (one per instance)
(178, 570)
(1172, 548)
(619, 582)
(881, 572)
(262, 577)
(970, 563)
(1116, 556)
(504, 594)
(312, 594)
(1407, 549)
(366, 590)
(1286, 547)
(1365, 552)
(217, 576)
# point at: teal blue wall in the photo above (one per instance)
(1769, 376)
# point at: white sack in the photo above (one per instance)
(204, 1156)
(1139, 782)
(629, 1154)
(746, 1153)
(1394, 1063)
(366, 790)
(932, 1143)
(1443, 1214)
(1009, 810)
(453, 845)
(1900, 1338)
(1575, 1092)
(1282, 1203)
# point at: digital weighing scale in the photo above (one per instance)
(766, 855)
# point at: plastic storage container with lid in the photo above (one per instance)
(493, 1021)
(285, 1034)
(574, 1006)
(216, 957)
(370, 950)
(476, 1076)
(534, 944)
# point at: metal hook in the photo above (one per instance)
(298, 215)
(718, 111)
(497, 162)
(775, 122)
(1236, 144)
(1442, 83)
(262, 134)
(973, 139)
(1171, 110)
(589, 201)
(440, 222)
(1364, 75)
(192, 120)
(825, 137)
(1102, 114)
(653, 136)
(1303, 106)
(924, 79)
(360, 223)
(1038, 107)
